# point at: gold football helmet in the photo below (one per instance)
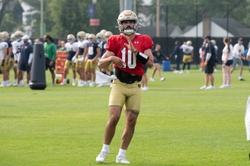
(81, 35)
(13, 37)
(189, 43)
(127, 15)
(100, 36)
(91, 38)
(214, 42)
(19, 34)
(5, 35)
(103, 31)
(71, 38)
(108, 34)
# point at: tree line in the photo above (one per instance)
(70, 16)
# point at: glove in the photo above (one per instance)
(74, 59)
(3, 61)
(81, 59)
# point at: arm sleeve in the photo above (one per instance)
(175, 51)
(148, 42)
(30, 58)
(54, 52)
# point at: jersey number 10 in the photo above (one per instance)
(130, 59)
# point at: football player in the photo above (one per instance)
(3, 60)
(100, 37)
(9, 60)
(128, 51)
(71, 47)
(12, 60)
(16, 48)
(188, 54)
(81, 54)
(93, 53)
(103, 45)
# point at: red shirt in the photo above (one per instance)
(140, 42)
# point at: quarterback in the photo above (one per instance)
(129, 52)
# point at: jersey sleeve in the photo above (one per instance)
(110, 44)
(148, 42)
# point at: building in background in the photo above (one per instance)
(28, 19)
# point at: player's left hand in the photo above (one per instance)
(130, 46)
(51, 63)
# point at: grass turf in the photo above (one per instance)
(179, 124)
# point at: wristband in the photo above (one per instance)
(142, 58)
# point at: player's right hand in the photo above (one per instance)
(118, 61)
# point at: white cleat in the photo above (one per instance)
(144, 88)
(73, 82)
(210, 87)
(92, 84)
(162, 79)
(203, 87)
(122, 160)
(176, 71)
(80, 83)
(8, 83)
(15, 83)
(101, 157)
(20, 84)
(63, 83)
(181, 72)
(151, 79)
(224, 86)
(3, 84)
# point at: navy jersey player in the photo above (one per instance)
(93, 54)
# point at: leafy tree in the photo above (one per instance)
(4, 10)
(63, 17)
(8, 23)
(188, 12)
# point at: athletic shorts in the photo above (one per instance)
(68, 64)
(209, 69)
(24, 67)
(79, 64)
(4, 67)
(187, 59)
(47, 65)
(90, 64)
(11, 63)
(237, 61)
(128, 95)
(229, 62)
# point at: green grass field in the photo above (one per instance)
(179, 124)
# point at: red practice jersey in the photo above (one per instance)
(140, 42)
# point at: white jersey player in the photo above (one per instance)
(71, 47)
(16, 46)
(3, 61)
(81, 54)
